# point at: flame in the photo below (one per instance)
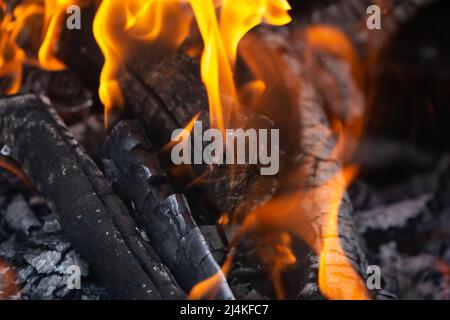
(148, 21)
(12, 57)
(118, 23)
(338, 279)
(109, 90)
(55, 11)
(332, 40)
(207, 289)
(444, 268)
(278, 256)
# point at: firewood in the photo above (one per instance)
(136, 175)
(165, 95)
(312, 142)
(167, 91)
(92, 216)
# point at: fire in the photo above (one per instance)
(207, 289)
(168, 21)
(444, 268)
(278, 256)
(122, 27)
(12, 56)
(337, 278)
(48, 16)
(54, 20)
(328, 38)
(183, 136)
(221, 40)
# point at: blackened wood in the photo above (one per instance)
(165, 98)
(351, 16)
(136, 174)
(92, 216)
(313, 157)
(166, 93)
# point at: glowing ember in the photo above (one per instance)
(45, 15)
(8, 286)
(122, 25)
(144, 21)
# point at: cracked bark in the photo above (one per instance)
(167, 94)
(92, 216)
(136, 174)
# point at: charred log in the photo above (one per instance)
(314, 160)
(137, 176)
(92, 216)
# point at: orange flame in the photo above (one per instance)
(119, 26)
(144, 20)
(55, 11)
(183, 135)
(12, 56)
(27, 16)
(337, 278)
(333, 40)
(208, 288)
(221, 40)
(278, 256)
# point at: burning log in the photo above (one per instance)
(168, 94)
(168, 91)
(165, 98)
(93, 217)
(136, 175)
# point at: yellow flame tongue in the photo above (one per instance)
(148, 20)
(221, 40)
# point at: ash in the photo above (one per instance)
(35, 250)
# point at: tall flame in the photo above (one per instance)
(52, 14)
(338, 279)
(12, 56)
(120, 24)
(148, 20)
(221, 40)
(54, 18)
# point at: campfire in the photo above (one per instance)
(230, 149)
